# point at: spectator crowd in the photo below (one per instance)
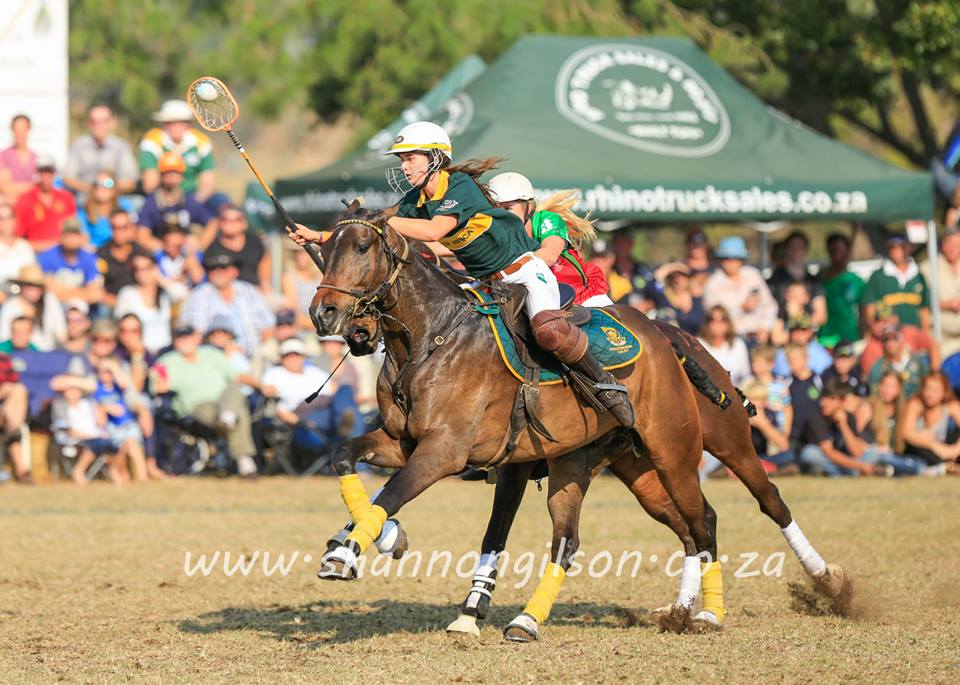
(140, 331)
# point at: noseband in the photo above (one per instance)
(373, 302)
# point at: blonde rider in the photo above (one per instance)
(557, 229)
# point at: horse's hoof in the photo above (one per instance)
(706, 622)
(337, 540)
(523, 628)
(338, 564)
(464, 625)
(677, 620)
(831, 581)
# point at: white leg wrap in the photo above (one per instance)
(487, 564)
(689, 582)
(527, 623)
(812, 562)
(344, 554)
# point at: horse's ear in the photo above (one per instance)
(354, 206)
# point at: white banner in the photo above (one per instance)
(34, 73)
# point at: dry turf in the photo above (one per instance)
(93, 589)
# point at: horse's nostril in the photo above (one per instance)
(329, 310)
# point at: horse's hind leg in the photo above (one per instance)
(735, 450)
(511, 485)
(569, 478)
(641, 479)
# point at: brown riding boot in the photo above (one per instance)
(611, 394)
(569, 344)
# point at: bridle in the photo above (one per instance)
(373, 302)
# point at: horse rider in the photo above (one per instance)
(558, 230)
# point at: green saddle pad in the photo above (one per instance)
(612, 344)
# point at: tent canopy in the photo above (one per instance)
(647, 129)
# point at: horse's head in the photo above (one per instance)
(362, 264)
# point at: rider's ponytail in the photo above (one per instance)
(562, 203)
(475, 168)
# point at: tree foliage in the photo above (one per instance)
(872, 64)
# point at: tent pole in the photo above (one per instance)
(763, 250)
(934, 256)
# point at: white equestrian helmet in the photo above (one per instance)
(422, 136)
(510, 187)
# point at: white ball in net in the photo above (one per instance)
(207, 91)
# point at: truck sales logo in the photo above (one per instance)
(643, 98)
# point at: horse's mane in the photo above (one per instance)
(562, 203)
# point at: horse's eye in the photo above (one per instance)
(362, 247)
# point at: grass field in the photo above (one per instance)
(94, 589)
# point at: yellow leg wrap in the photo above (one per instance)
(368, 526)
(711, 582)
(354, 495)
(546, 593)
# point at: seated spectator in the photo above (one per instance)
(720, 339)
(771, 442)
(741, 291)
(236, 239)
(912, 366)
(299, 285)
(151, 298)
(839, 441)
(175, 135)
(899, 285)
(698, 260)
(101, 205)
(842, 290)
(796, 252)
(778, 387)
(930, 423)
(21, 333)
(887, 408)
(169, 203)
(115, 259)
(15, 253)
(845, 369)
(99, 152)
(677, 296)
(83, 424)
(239, 301)
(35, 302)
(42, 210)
(914, 338)
(18, 163)
(78, 327)
(948, 276)
(13, 416)
(222, 336)
(122, 427)
(796, 305)
(638, 273)
(268, 352)
(322, 424)
(71, 271)
(800, 331)
(206, 388)
(603, 258)
(176, 258)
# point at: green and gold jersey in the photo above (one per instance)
(486, 239)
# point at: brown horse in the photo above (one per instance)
(445, 398)
(726, 435)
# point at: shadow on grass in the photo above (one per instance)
(320, 623)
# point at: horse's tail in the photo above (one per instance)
(702, 382)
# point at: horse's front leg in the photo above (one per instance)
(569, 478)
(380, 449)
(436, 456)
(511, 485)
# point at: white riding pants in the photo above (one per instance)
(541, 285)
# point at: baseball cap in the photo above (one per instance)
(802, 321)
(891, 330)
(71, 225)
(218, 261)
(173, 110)
(897, 239)
(183, 330)
(46, 162)
(696, 238)
(78, 305)
(286, 317)
(103, 327)
(292, 346)
(171, 161)
(844, 348)
(222, 322)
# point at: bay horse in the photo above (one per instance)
(726, 435)
(445, 398)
